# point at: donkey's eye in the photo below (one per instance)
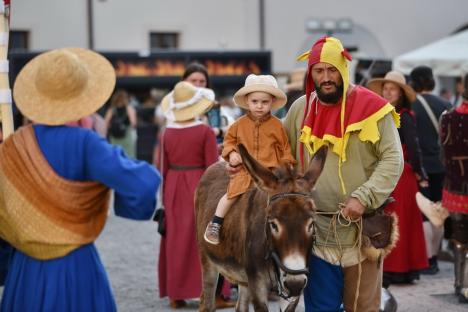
(274, 227)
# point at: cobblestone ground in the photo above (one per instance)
(129, 252)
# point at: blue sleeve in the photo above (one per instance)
(134, 182)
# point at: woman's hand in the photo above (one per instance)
(423, 183)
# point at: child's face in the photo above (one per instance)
(259, 103)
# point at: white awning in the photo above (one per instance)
(446, 56)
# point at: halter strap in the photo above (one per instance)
(278, 262)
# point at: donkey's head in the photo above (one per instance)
(290, 216)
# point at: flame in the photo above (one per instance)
(176, 68)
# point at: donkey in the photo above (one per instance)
(267, 235)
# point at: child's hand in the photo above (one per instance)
(235, 159)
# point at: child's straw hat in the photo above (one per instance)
(260, 83)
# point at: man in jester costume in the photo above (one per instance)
(364, 162)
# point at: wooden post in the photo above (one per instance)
(5, 92)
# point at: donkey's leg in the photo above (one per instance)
(243, 299)
(259, 292)
(289, 306)
(210, 278)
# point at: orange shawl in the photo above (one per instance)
(41, 213)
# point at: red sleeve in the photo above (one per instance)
(211, 148)
(160, 154)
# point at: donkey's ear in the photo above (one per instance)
(316, 166)
(263, 177)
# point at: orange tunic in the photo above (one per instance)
(265, 139)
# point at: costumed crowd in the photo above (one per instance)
(395, 151)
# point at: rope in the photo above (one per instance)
(345, 221)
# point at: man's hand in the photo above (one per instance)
(353, 209)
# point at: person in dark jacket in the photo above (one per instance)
(422, 81)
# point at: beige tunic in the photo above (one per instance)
(370, 174)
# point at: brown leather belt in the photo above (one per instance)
(185, 167)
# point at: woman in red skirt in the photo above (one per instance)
(187, 147)
(409, 255)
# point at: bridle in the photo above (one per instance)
(277, 264)
(284, 195)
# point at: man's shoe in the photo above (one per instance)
(387, 301)
(222, 303)
(433, 211)
(212, 233)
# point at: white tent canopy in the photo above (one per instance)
(446, 56)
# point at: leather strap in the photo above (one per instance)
(185, 167)
(429, 112)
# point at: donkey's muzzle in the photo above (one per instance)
(295, 285)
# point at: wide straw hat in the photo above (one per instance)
(260, 83)
(186, 102)
(63, 85)
(396, 77)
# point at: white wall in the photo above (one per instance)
(121, 25)
(51, 23)
(203, 24)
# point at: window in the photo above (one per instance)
(18, 40)
(164, 40)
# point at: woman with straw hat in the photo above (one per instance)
(403, 263)
(187, 147)
(55, 186)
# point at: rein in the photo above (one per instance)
(277, 264)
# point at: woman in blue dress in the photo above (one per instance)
(56, 266)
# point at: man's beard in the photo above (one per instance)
(330, 98)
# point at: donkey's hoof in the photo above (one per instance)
(222, 303)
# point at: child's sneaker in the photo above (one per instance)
(212, 233)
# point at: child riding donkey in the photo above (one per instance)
(261, 133)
